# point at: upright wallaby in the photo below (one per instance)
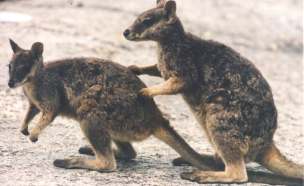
(225, 91)
(101, 95)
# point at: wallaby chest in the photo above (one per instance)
(31, 93)
(166, 62)
(173, 60)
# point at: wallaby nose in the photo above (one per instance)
(126, 33)
(11, 83)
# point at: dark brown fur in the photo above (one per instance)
(101, 95)
(228, 95)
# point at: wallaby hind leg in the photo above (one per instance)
(124, 151)
(101, 143)
(235, 171)
(229, 147)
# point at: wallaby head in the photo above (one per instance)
(155, 24)
(24, 64)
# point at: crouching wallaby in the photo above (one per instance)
(228, 95)
(101, 95)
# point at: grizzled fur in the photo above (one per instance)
(228, 95)
(102, 96)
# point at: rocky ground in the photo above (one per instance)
(268, 32)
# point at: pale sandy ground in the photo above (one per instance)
(269, 32)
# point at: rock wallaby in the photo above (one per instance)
(227, 94)
(101, 95)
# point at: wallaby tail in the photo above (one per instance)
(168, 135)
(276, 162)
(286, 172)
(272, 179)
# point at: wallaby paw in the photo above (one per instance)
(25, 131)
(146, 92)
(33, 138)
(135, 69)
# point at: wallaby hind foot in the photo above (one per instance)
(101, 144)
(233, 174)
(84, 163)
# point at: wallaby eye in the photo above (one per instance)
(148, 21)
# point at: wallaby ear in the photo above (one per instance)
(170, 8)
(37, 50)
(14, 46)
(160, 2)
